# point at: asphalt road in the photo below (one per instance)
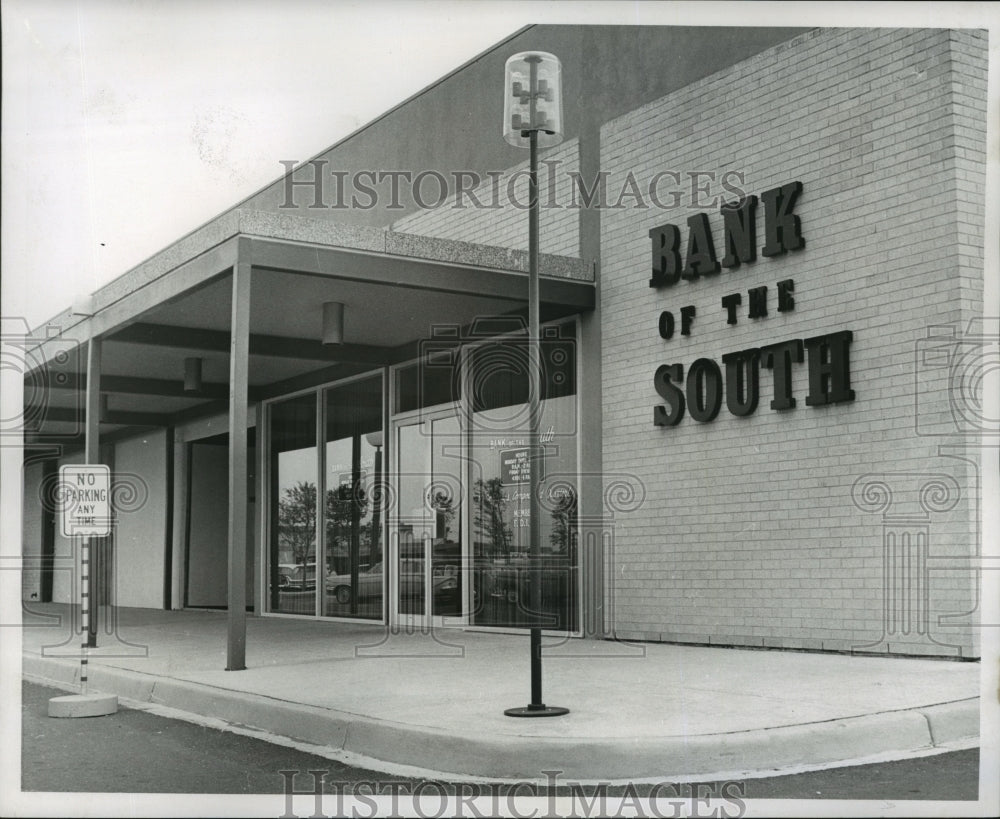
(138, 752)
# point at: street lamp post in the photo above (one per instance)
(533, 119)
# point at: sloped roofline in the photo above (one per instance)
(239, 204)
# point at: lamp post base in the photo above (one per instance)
(537, 711)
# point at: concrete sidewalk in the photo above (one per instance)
(435, 700)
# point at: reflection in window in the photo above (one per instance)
(292, 542)
(500, 483)
(411, 522)
(354, 565)
(428, 519)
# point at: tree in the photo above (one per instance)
(564, 521)
(345, 509)
(297, 522)
(491, 516)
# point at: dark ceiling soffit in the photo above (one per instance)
(200, 411)
(128, 385)
(411, 351)
(187, 338)
(68, 443)
(149, 420)
(415, 273)
(117, 417)
(52, 444)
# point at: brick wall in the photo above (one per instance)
(495, 214)
(801, 528)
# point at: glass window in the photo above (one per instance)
(499, 370)
(431, 381)
(292, 541)
(353, 564)
(411, 520)
(428, 518)
(500, 483)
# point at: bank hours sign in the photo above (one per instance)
(84, 500)
(515, 466)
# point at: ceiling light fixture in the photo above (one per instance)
(333, 322)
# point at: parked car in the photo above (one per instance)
(296, 577)
(410, 580)
(370, 582)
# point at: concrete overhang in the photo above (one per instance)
(397, 289)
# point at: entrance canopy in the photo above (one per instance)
(233, 314)
(396, 289)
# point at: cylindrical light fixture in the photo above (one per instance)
(333, 322)
(102, 413)
(192, 374)
(533, 99)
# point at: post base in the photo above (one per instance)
(537, 711)
(83, 705)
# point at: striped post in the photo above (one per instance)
(84, 609)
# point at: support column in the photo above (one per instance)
(92, 455)
(239, 351)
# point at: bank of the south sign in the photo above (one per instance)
(700, 392)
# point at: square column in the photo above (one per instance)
(92, 455)
(239, 353)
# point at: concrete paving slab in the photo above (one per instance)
(435, 700)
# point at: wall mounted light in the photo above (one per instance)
(333, 322)
(192, 374)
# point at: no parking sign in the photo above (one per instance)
(84, 500)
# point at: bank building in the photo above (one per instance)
(762, 350)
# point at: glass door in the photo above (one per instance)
(430, 562)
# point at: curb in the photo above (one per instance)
(498, 757)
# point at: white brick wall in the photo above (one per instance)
(748, 534)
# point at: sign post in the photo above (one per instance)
(84, 502)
